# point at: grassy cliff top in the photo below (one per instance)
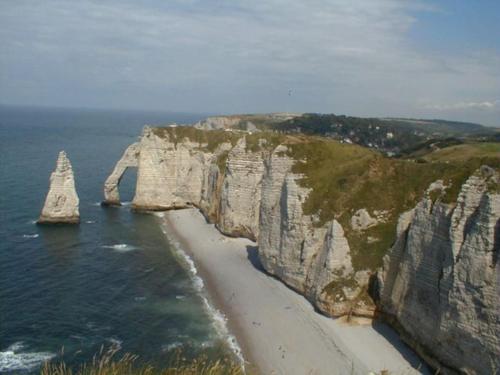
(345, 178)
(464, 152)
(209, 139)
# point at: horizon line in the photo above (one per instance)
(209, 114)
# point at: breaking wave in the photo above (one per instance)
(171, 346)
(116, 343)
(219, 320)
(121, 247)
(35, 235)
(13, 359)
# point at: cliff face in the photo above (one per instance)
(170, 174)
(61, 203)
(440, 282)
(250, 192)
(316, 261)
(241, 192)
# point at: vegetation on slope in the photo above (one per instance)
(464, 152)
(322, 123)
(265, 141)
(261, 121)
(208, 140)
(110, 363)
(345, 178)
(386, 134)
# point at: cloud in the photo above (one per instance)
(485, 105)
(232, 56)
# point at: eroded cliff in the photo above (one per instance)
(325, 214)
(61, 203)
(440, 282)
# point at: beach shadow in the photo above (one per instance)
(381, 327)
(408, 354)
(496, 245)
(253, 257)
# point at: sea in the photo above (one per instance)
(112, 282)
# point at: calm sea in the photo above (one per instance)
(112, 280)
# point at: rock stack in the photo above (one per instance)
(61, 204)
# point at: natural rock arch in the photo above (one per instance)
(129, 159)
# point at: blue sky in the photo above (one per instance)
(419, 58)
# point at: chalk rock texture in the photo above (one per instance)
(61, 203)
(440, 282)
(218, 122)
(362, 220)
(170, 174)
(315, 261)
(128, 160)
(241, 191)
(245, 192)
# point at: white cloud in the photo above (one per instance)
(233, 56)
(485, 105)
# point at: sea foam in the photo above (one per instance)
(121, 247)
(115, 343)
(14, 359)
(171, 346)
(219, 320)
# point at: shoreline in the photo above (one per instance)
(216, 300)
(277, 329)
(202, 283)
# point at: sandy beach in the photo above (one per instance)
(278, 330)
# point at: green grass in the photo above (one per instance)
(345, 178)
(222, 161)
(465, 152)
(264, 141)
(208, 140)
(336, 287)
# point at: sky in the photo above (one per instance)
(398, 58)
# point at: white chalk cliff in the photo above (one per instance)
(128, 160)
(440, 281)
(61, 203)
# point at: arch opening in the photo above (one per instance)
(129, 160)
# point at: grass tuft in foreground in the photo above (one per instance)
(110, 363)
